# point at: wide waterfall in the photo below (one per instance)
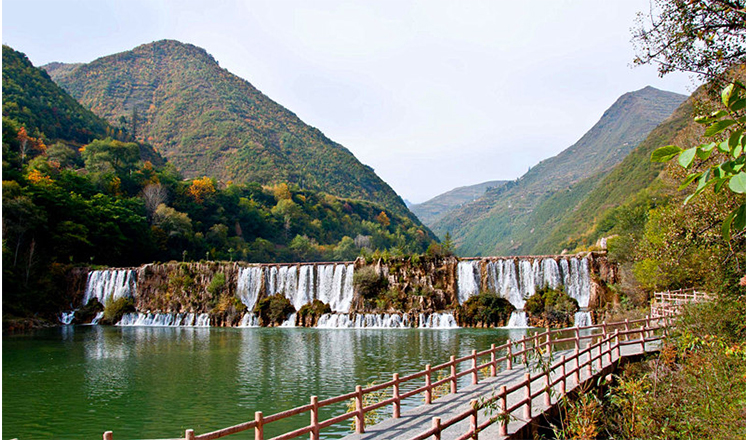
(583, 319)
(165, 320)
(386, 320)
(302, 284)
(110, 285)
(517, 279)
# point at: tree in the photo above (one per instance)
(153, 195)
(201, 188)
(705, 37)
(728, 125)
(383, 219)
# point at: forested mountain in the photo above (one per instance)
(34, 101)
(434, 209)
(209, 122)
(82, 198)
(511, 219)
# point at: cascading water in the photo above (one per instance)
(517, 280)
(332, 284)
(165, 320)
(518, 319)
(291, 321)
(437, 321)
(583, 319)
(66, 318)
(249, 282)
(249, 320)
(97, 318)
(110, 285)
(468, 280)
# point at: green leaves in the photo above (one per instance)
(729, 123)
(665, 154)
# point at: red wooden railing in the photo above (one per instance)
(606, 342)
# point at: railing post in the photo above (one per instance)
(547, 396)
(493, 361)
(474, 370)
(578, 339)
(436, 428)
(503, 425)
(359, 421)
(627, 327)
(604, 324)
(258, 425)
(315, 433)
(454, 379)
(588, 362)
(473, 419)
(527, 397)
(396, 398)
(549, 341)
(617, 344)
(609, 350)
(189, 434)
(428, 384)
(523, 347)
(577, 367)
(107, 435)
(509, 360)
(599, 357)
(643, 340)
(563, 376)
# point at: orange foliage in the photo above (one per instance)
(383, 219)
(37, 177)
(201, 188)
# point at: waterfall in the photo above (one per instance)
(468, 280)
(551, 277)
(335, 286)
(249, 320)
(97, 318)
(579, 281)
(164, 320)
(583, 319)
(66, 318)
(518, 319)
(509, 285)
(109, 285)
(526, 283)
(291, 321)
(437, 321)
(249, 282)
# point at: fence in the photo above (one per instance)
(606, 342)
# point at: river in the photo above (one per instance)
(151, 382)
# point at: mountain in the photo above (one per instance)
(431, 211)
(512, 219)
(621, 187)
(207, 121)
(35, 102)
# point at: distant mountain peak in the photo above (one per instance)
(207, 121)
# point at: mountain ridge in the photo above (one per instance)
(432, 210)
(499, 223)
(208, 121)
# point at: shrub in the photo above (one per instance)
(553, 308)
(217, 284)
(485, 308)
(273, 310)
(114, 310)
(312, 312)
(368, 282)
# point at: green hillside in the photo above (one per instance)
(512, 219)
(209, 122)
(583, 225)
(32, 100)
(431, 211)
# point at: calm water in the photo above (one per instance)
(77, 382)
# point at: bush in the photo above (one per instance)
(309, 314)
(114, 310)
(485, 309)
(551, 308)
(368, 282)
(273, 310)
(87, 313)
(217, 284)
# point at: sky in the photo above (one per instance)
(431, 94)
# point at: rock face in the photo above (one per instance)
(412, 288)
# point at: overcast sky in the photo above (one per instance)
(431, 94)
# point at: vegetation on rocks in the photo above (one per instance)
(273, 310)
(484, 310)
(113, 310)
(309, 314)
(369, 282)
(551, 308)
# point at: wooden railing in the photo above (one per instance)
(609, 335)
(668, 303)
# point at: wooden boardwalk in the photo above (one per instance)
(419, 420)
